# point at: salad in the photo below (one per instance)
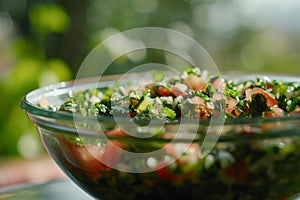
(192, 94)
(264, 168)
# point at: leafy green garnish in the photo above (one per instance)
(202, 96)
(102, 108)
(294, 104)
(168, 112)
(173, 98)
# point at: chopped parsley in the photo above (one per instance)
(167, 98)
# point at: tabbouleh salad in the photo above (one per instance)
(250, 169)
(200, 93)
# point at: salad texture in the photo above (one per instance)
(258, 165)
(192, 95)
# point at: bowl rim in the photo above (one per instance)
(108, 80)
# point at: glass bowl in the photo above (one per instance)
(255, 158)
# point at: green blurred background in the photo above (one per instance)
(45, 41)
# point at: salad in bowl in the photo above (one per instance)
(192, 135)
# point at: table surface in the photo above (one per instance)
(59, 189)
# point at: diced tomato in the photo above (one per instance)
(218, 97)
(219, 84)
(269, 86)
(176, 92)
(231, 104)
(113, 148)
(271, 100)
(90, 157)
(134, 102)
(236, 112)
(163, 91)
(275, 112)
(158, 90)
(197, 100)
(112, 153)
(151, 88)
(247, 86)
(80, 158)
(165, 174)
(196, 83)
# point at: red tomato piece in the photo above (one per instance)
(176, 92)
(90, 157)
(275, 112)
(230, 104)
(112, 153)
(163, 91)
(196, 83)
(197, 100)
(79, 157)
(271, 100)
(218, 97)
(165, 174)
(151, 88)
(219, 84)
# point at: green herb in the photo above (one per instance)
(258, 105)
(168, 112)
(294, 104)
(160, 100)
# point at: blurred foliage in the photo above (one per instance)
(47, 18)
(25, 67)
(45, 41)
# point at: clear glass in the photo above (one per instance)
(253, 159)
